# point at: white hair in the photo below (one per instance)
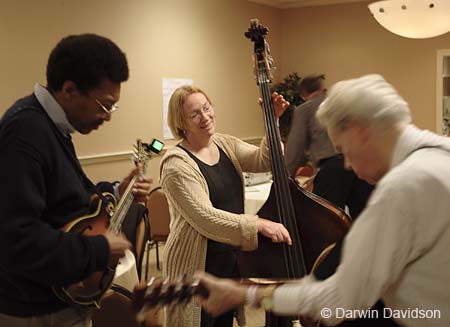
(368, 99)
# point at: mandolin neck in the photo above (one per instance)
(122, 207)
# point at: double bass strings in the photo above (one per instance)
(293, 254)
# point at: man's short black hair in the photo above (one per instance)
(87, 60)
(311, 83)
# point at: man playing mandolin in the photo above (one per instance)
(44, 187)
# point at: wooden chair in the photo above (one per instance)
(159, 220)
(305, 177)
(115, 309)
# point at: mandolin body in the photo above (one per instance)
(97, 221)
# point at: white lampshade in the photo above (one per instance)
(416, 19)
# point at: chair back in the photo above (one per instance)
(115, 309)
(305, 177)
(158, 215)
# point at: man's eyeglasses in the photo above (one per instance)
(113, 108)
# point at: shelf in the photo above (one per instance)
(443, 92)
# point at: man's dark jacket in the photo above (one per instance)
(42, 189)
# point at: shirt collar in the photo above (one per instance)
(413, 138)
(53, 109)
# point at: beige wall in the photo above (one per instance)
(203, 40)
(198, 39)
(344, 41)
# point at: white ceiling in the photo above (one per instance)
(301, 3)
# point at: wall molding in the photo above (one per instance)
(102, 158)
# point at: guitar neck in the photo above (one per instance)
(158, 292)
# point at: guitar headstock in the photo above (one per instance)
(263, 61)
(158, 293)
(142, 151)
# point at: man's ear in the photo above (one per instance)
(362, 130)
(69, 89)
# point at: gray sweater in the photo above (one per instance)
(307, 135)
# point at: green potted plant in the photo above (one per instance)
(290, 89)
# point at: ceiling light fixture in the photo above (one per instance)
(416, 19)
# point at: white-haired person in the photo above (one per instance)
(202, 178)
(397, 250)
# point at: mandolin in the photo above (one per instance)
(104, 214)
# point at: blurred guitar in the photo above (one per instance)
(158, 293)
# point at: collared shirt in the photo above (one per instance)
(397, 250)
(59, 117)
(53, 109)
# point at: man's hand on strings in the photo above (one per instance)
(141, 187)
(118, 244)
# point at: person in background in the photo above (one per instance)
(333, 181)
(397, 250)
(44, 187)
(202, 178)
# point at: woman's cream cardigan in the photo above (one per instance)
(194, 220)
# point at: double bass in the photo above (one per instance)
(314, 224)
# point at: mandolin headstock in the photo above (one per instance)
(143, 151)
(158, 293)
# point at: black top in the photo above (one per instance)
(225, 193)
(43, 189)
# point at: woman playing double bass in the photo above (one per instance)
(202, 178)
